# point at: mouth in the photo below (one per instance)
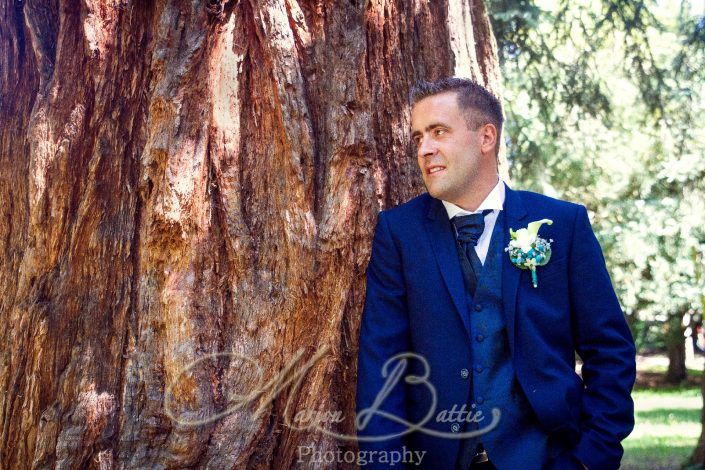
(434, 170)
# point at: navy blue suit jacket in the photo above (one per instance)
(415, 302)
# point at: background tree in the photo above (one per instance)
(179, 179)
(604, 102)
(602, 105)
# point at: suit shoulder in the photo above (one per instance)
(559, 206)
(410, 209)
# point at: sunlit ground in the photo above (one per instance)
(667, 425)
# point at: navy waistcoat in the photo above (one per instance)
(517, 441)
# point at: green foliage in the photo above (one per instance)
(604, 104)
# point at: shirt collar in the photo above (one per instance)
(494, 201)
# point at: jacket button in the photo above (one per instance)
(479, 338)
(480, 400)
(478, 307)
(478, 369)
(455, 427)
(464, 373)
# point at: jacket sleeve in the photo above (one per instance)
(605, 344)
(384, 332)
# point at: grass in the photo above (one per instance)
(667, 423)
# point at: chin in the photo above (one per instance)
(436, 193)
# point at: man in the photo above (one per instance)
(441, 286)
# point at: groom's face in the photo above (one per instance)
(448, 151)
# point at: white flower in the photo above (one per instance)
(524, 239)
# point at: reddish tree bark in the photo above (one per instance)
(179, 179)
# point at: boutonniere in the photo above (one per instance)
(527, 250)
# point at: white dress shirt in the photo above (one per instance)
(494, 201)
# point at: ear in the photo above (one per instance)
(488, 138)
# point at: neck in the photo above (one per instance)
(471, 201)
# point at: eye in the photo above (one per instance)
(439, 132)
(417, 140)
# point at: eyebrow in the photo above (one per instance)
(429, 127)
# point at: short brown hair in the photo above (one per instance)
(478, 103)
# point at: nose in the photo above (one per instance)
(427, 148)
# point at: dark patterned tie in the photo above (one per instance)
(469, 228)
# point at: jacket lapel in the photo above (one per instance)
(442, 239)
(515, 212)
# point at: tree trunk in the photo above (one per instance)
(675, 346)
(199, 181)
